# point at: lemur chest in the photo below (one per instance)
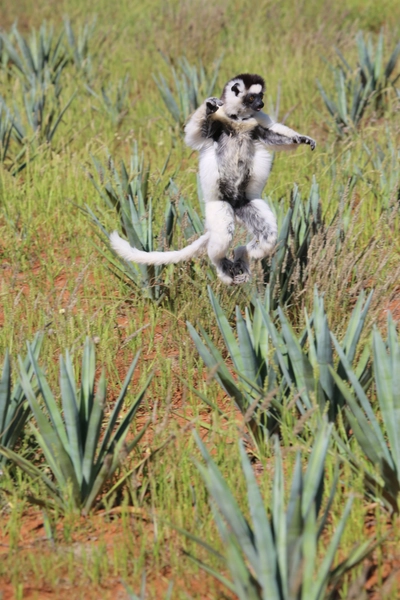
(235, 150)
(235, 153)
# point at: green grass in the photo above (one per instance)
(54, 279)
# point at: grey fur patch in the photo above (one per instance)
(277, 139)
(235, 154)
(240, 267)
(272, 138)
(226, 266)
(231, 229)
(254, 221)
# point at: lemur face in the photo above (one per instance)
(243, 95)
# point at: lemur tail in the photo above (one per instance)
(125, 250)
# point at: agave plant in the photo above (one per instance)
(275, 556)
(190, 222)
(43, 116)
(285, 270)
(386, 162)
(192, 85)
(41, 57)
(7, 128)
(309, 372)
(301, 228)
(39, 61)
(126, 191)
(113, 100)
(352, 100)
(356, 87)
(44, 55)
(13, 141)
(43, 112)
(14, 409)
(377, 437)
(271, 363)
(79, 42)
(372, 67)
(254, 392)
(81, 450)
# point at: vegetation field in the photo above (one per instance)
(163, 435)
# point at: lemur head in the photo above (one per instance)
(242, 96)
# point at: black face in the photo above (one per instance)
(254, 101)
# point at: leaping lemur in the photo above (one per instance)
(234, 139)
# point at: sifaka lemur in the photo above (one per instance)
(234, 139)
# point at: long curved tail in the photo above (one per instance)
(126, 251)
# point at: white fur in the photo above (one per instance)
(286, 131)
(258, 248)
(208, 174)
(220, 224)
(128, 252)
(264, 120)
(262, 164)
(193, 137)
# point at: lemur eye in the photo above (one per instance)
(251, 99)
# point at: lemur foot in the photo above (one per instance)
(224, 271)
(213, 104)
(242, 278)
(304, 139)
(240, 272)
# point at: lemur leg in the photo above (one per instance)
(220, 223)
(258, 218)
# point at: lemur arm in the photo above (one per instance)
(279, 137)
(207, 121)
(204, 124)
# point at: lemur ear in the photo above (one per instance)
(235, 88)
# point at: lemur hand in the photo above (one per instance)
(304, 139)
(212, 105)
